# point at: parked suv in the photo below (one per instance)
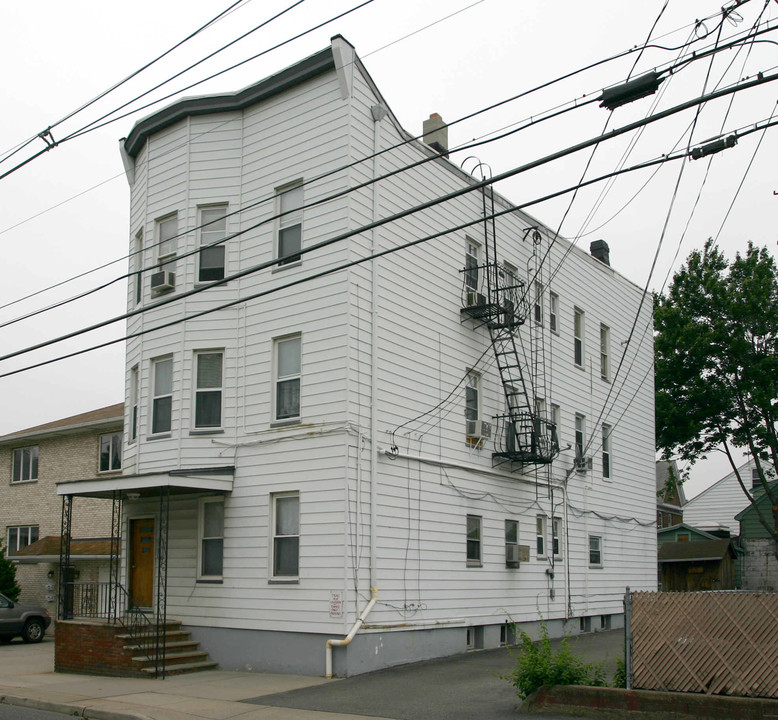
(28, 621)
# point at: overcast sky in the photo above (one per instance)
(66, 212)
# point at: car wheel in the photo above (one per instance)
(33, 631)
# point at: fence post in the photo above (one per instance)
(628, 637)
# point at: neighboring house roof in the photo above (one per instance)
(47, 550)
(748, 518)
(107, 416)
(696, 551)
(685, 526)
(664, 484)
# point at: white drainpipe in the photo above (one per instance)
(334, 642)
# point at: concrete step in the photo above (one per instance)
(177, 658)
(172, 640)
(178, 669)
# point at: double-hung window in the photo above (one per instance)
(538, 312)
(512, 543)
(208, 390)
(20, 537)
(25, 464)
(540, 535)
(134, 390)
(290, 224)
(288, 369)
(595, 551)
(138, 262)
(211, 531)
(474, 541)
(556, 536)
(578, 336)
(110, 452)
(605, 349)
(472, 402)
(213, 230)
(471, 265)
(606, 451)
(553, 312)
(580, 429)
(162, 399)
(167, 236)
(286, 535)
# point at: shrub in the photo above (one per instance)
(8, 585)
(537, 664)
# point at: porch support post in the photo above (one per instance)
(114, 557)
(65, 594)
(161, 609)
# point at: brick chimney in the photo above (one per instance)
(436, 134)
(600, 251)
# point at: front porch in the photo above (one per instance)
(120, 627)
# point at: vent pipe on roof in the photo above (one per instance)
(436, 134)
(600, 251)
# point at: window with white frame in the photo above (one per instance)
(556, 419)
(134, 390)
(208, 389)
(138, 262)
(556, 536)
(538, 311)
(472, 401)
(25, 464)
(553, 312)
(211, 532)
(213, 230)
(606, 451)
(578, 336)
(512, 543)
(541, 528)
(472, 254)
(290, 223)
(605, 349)
(595, 551)
(110, 452)
(286, 535)
(473, 540)
(20, 536)
(580, 436)
(167, 240)
(288, 371)
(162, 395)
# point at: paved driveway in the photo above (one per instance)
(462, 687)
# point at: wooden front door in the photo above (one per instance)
(142, 562)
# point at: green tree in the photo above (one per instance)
(716, 355)
(8, 584)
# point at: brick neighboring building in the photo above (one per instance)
(32, 461)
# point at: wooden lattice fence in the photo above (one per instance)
(718, 643)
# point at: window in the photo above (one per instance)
(540, 532)
(578, 336)
(556, 419)
(213, 229)
(553, 312)
(683, 537)
(208, 389)
(139, 265)
(134, 389)
(472, 400)
(25, 464)
(538, 311)
(580, 428)
(606, 451)
(556, 536)
(110, 452)
(286, 535)
(167, 232)
(211, 531)
(471, 264)
(605, 346)
(288, 357)
(755, 481)
(162, 401)
(512, 543)
(290, 224)
(20, 537)
(595, 550)
(473, 541)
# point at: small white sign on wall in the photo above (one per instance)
(336, 604)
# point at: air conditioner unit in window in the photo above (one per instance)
(583, 464)
(162, 281)
(474, 299)
(479, 429)
(512, 556)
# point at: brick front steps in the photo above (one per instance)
(97, 648)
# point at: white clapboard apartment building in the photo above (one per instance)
(338, 457)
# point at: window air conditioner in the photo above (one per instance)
(475, 299)
(512, 556)
(162, 281)
(479, 429)
(583, 464)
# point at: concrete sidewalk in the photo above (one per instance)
(27, 678)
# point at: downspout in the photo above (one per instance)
(334, 642)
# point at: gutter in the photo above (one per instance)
(335, 642)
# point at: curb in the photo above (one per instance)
(73, 710)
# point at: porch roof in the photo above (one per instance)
(46, 550)
(179, 482)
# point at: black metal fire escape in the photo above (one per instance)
(494, 295)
